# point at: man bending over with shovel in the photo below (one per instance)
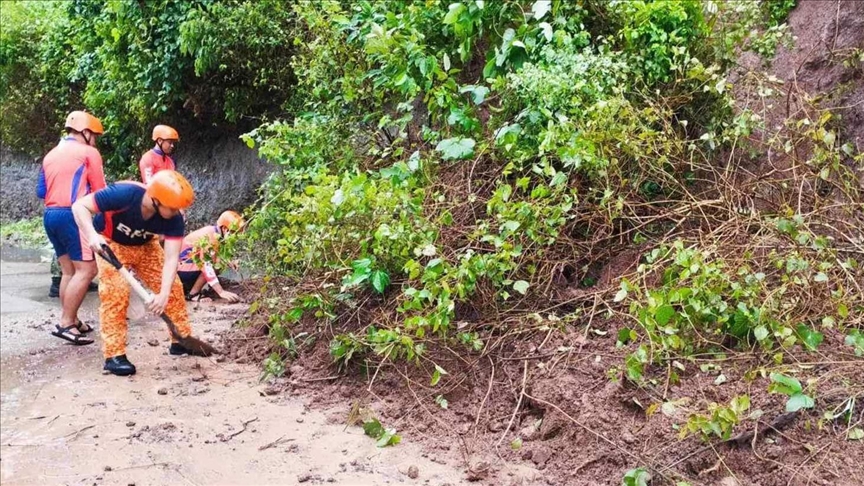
(130, 216)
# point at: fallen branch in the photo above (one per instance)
(235, 434)
(276, 442)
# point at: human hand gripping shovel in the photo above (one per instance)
(191, 343)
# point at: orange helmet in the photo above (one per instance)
(171, 189)
(81, 120)
(165, 133)
(230, 220)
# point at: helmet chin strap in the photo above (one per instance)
(86, 138)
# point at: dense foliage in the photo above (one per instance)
(192, 63)
(462, 157)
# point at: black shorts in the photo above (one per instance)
(188, 279)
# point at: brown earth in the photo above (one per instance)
(179, 420)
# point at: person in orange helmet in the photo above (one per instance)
(71, 171)
(198, 255)
(128, 218)
(159, 157)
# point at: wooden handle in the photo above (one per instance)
(137, 287)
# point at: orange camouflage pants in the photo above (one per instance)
(146, 262)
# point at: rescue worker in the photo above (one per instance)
(159, 157)
(71, 171)
(128, 218)
(203, 245)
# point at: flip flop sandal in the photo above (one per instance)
(76, 339)
(87, 327)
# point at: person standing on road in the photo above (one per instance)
(70, 171)
(199, 253)
(159, 157)
(129, 217)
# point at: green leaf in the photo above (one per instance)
(541, 8)
(516, 444)
(740, 404)
(798, 401)
(842, 310)
(478, 93)
(810, 338)
(453, 14)
(761, 333)
(624, 335)
(380, 281)
(441, 401)
(784, 384)
(820, 277)
(620, 295)
(636, 477)
(373, 428)
(456, 148)
(520, 286)
(437, 374)
(388, 438)
(855, 338)
(663, 314)
(855, 433)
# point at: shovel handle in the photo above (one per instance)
(108, 255)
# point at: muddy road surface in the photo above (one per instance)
(179, 420)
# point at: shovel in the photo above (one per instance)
(191, 343)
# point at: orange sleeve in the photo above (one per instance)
(146, 167)
(95, 172)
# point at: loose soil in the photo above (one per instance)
(180, 420)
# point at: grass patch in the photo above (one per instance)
(25, 233)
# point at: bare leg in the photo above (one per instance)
(199, 284)
(75, 291)
(67, 270)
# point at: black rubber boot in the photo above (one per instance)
(119, 366)
(93, 287)
(54, 291)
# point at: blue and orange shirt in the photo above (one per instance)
(70, 171)
(152, 162)
(121, 221)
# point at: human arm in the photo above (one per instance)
(169, 272)
(95, 172)
(83, 211)
(213, 280)
(146, 167)
(41, 185)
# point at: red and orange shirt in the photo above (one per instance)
(195, 244)
(70, 171)
(152, 162)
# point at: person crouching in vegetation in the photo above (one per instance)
(71, 171)
(200, 248)
(129, 217)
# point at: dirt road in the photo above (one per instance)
(178, 421)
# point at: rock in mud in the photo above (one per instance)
(478, 471)
(541, 456)
(530, 431)
(130, 424)
(162, 391)
(153, 342)
(413, 472)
